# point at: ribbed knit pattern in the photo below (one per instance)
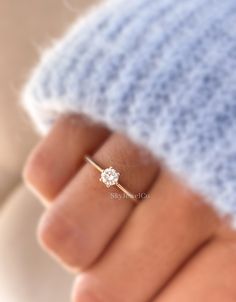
(161, 71)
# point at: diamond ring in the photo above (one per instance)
(110, 177)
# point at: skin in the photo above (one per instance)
(171, 247)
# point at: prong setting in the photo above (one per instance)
(110, 177)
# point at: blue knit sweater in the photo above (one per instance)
(161, 71)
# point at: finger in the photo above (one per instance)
(85, 216)
(58, 156)
(210, 276)
(158, 237)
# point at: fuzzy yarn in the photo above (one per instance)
(161, 71)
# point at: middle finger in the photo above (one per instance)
(160, 235)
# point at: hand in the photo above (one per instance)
(170, 247)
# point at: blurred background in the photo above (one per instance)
(26, 28)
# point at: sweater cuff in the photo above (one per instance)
(162, 72)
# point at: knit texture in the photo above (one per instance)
(161, 71)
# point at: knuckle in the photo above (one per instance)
(64, 240)
(38, 172)
(50, 232)
(86, 291)
(85, 296)
(37, 167)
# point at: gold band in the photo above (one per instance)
(110, 177)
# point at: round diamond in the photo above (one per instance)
(109, 177)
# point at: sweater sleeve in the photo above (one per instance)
(162, 72)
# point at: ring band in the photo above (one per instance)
(110, 177)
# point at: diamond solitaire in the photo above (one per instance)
(109, 177)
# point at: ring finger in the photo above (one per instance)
(85, 216)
